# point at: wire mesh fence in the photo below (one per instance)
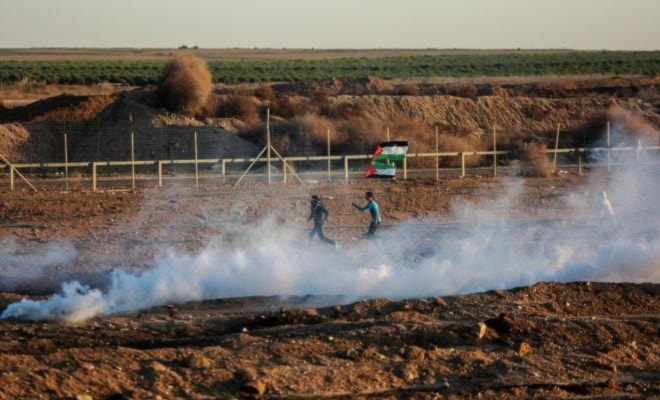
(140, 154)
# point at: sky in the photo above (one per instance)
(332, 24)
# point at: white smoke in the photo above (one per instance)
(488, 250)
(20, 263)
(481, 260)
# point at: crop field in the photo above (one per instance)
(147, 70)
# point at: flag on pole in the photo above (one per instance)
(387, 156)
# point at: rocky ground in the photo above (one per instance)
(578, 340)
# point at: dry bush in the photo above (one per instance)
(212, 107)
(375, 85)
(343, 111)
(85, 111)
(232, 106)
(288, 105)
(321, 97)
(534, 161)
(463, 90)
(315, 131)
(266, 94)
(409, 89)
(242, 89)
(186, 85)
(499, 91)
(556, 88)
(363, 86)
(105, 87)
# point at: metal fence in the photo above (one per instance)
(114, 154)
(97, 175)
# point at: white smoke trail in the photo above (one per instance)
(20, 264)
(480, 261)
(491, 251)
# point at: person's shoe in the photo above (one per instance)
(337, 246)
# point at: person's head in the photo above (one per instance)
(315, 197)
(369, 195)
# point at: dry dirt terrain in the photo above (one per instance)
(582, 339)
(481, 287)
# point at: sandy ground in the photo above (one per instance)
(548, 340)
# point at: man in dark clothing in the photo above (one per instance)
(374, 210)
(319, 213)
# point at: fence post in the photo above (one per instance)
(94, 177)
(345, 168)
(160, 173)
(11, 177)
(283, 170)
(196, 163)
(405, 168)
(224, 169)
(329, 174)
(66, 163)
(494, 151)
(609, 154)
(554, 162)
(388, 133)
(579, 162)
(132, 160)
(437, 160)
(268, 140)
(462, 165)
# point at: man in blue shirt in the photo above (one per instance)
(372, 206)
(319, 213)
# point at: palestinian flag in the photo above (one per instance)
(387, 156)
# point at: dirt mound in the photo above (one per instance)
(99, 129)
(510, 115)
(84, 111)
(642, 87)
(158, 134)
(544, 341)
(543, 87)
(40, 108)
(15, 143)
(336, 86)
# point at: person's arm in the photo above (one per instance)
(358, 207)
(311, 214)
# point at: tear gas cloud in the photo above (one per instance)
(491, 251)
(19, 264)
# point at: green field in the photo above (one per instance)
(141, 72)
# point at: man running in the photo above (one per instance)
(319, 213)
(372, 206)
